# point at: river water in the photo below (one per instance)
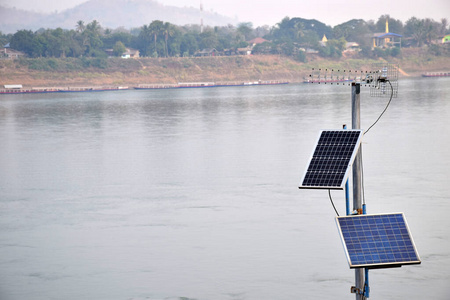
(192, 193)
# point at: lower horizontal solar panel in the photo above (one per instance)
(377, 241)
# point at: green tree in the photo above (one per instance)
(109, 40)
(417, 30)
(208, 39)
(443, 27)
(223, 43)
(75, 44)
(22, 40)
(39, 45)
(310, 40)
(58, 44)
(282, 30)
(287, 48)
(155, 29)
(300, 30)
(145, 40)
(311, 25)
(3, 39)
(246, 29)
(174, 45)
(119, 48)
(168, 30)
(92, 40)
(431, 30)
(262, 31)
(80, 26)
(356, 30)
(227, 37)
(333, 48)
(289, 35)
(188, 45)
(94, 27)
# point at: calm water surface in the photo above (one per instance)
(165, 194)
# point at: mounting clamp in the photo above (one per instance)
(355, 290)
(365, 292)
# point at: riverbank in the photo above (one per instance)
(71, 72)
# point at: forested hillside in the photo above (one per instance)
(290, 37)
(168, 52)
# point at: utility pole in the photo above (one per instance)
(357, 181)
(377, 80)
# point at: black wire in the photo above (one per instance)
(332, 203)
(362, 176)
(392, 94)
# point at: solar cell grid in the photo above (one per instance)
(331, 159)
(377, 241)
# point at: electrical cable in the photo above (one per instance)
(382, 113)
(362, 178)
(362, 167)
(332, 203)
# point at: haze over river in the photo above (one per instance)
(192, 193)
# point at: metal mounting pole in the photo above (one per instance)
(357, 181)
(347, 191)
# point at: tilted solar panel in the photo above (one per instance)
(331, 159)
(377, 241)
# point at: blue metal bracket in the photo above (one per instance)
(366, 283)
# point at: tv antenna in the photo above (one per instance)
(370, 241)
(379, 79)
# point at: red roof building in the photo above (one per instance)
(257, 41)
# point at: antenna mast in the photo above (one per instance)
(357, 179)
(326, 167)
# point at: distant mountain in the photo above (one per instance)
(110, 14)
(12, 19)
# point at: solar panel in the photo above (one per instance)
(331, 159)
(377, 241)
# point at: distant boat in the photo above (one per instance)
(155, 86)
(181, 85)
(18, 89)
(196, 84)
(436, 74)
(92, 89)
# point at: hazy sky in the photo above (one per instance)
(331, 12)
